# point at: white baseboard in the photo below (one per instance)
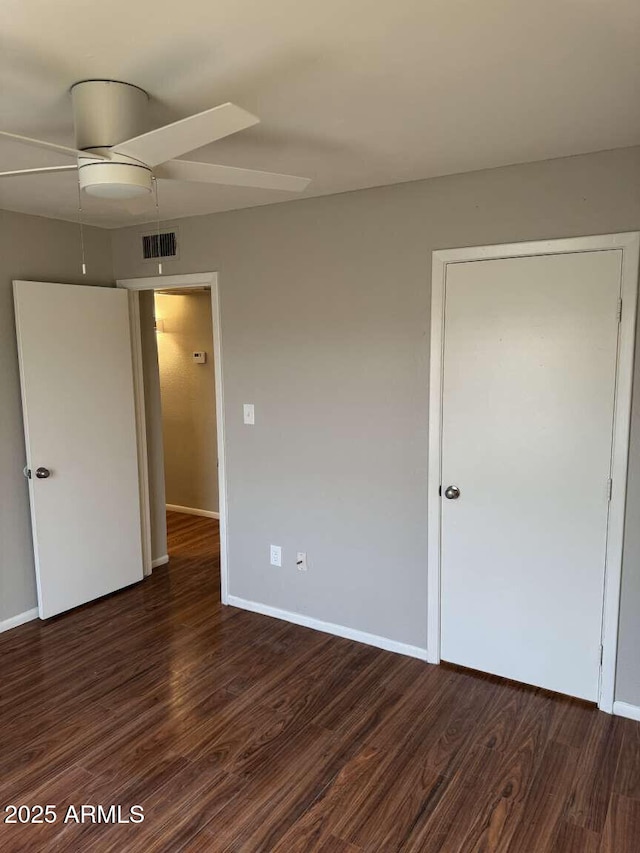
(329, 628)
(160, 561)
(20, 619)
(624, 709)
(189, 510)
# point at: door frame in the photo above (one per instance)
(177, 282)
(629, 244)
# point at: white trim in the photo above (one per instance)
(329, 628)
(204, 279)
(141, 432)
(160, 561)
(629, 244)
(190, 510)
(592, 243)
(624, 709)
(156, 282)
(20, 619)
(619, 465)
(220, 427)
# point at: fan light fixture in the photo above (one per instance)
(116, 191)
(113, 179)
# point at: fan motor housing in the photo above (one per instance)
(106, 112)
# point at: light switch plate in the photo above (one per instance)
(200, 357)
(249, 414)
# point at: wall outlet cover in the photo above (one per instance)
(276, 555)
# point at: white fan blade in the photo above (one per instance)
(39, 171)
(165, 143)
(210, 173)
(51, 146)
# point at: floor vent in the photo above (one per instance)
(164, 245)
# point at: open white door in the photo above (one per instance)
(79, 419)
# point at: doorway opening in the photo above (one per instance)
(175, 331)
(184, 412)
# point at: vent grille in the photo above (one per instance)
(159, 245)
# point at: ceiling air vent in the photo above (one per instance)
(163, 245)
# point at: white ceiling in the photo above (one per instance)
(352, 93)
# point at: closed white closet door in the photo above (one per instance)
(530, 353)
(77, 396)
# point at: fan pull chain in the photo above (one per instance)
(155, 191)
(81, 224)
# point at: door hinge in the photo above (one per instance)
(601, 653)
(619, 310)
(609, 488)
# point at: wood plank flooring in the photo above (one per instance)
(236, 732)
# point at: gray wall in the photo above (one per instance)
(325, 321)
(43, 250)
(153, 412)
(325, 313)
(188, 400)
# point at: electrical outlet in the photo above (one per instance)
(276, 555)
(301, 561)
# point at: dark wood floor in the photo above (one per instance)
(236, 732)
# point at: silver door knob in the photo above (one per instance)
(43, 473)
(451, 492)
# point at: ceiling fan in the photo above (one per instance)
(115, 160)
